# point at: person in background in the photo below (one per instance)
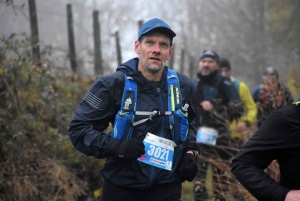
(278, 138)
(240, 127)
(217, 103)
(147, 156)
(270, 95)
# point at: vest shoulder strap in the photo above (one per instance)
(174, 91)
(236, 84)
(129, 98)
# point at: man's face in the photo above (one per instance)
(153, 51)
(271, 81)
(207, 65)
(225, 72)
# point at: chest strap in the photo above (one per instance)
(151, 114)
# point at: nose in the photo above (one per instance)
(156, 48)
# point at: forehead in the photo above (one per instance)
(154, 34)
(207, 59)
(270, 76)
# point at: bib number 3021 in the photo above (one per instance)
(158, 152)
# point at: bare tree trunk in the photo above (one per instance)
(34, 29)
(182, 62)
(72, 50)
(191, 67)
(140, 23)
(260, 48)
(118, 47)
(97, 44)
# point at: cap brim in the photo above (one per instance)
(164, 31)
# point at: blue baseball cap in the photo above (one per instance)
(157, 25)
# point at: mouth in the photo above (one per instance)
(154, 59)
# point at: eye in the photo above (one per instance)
(165, 45)
(149, 42)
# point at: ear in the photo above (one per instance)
(170, 53)
(137, 47)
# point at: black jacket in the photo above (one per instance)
(277, 138)
(99, 108)
(224, 97)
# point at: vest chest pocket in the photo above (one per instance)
(122, 127)
(180, 125)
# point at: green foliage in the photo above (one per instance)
(293, 81)
(37, 159)
(284, 19)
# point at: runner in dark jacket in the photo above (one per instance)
(277, 138)
(125, 177)
(217, 102)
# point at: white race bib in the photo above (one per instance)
(207, 135)
(158, 152)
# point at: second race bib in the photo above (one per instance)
(207, 135)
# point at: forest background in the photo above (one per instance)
(38, 97)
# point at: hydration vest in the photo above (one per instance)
(236, 84)
(125, 118)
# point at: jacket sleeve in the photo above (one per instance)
(92, 117)
(265, 145)
(249, 104)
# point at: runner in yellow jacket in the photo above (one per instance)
(240, 126)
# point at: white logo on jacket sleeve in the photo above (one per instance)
(92, 100)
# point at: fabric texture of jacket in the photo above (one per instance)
(278, 138)
(249, 105)
(98, 110)
(225, 100)
(267, 101)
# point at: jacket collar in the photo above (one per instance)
(130, 68)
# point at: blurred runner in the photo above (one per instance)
(270, 95)
(217, 103)
(240, 128)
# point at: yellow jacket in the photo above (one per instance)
(249, 105)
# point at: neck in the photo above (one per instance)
(207, 78)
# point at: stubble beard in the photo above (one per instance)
(205, 72)
(151, 69)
